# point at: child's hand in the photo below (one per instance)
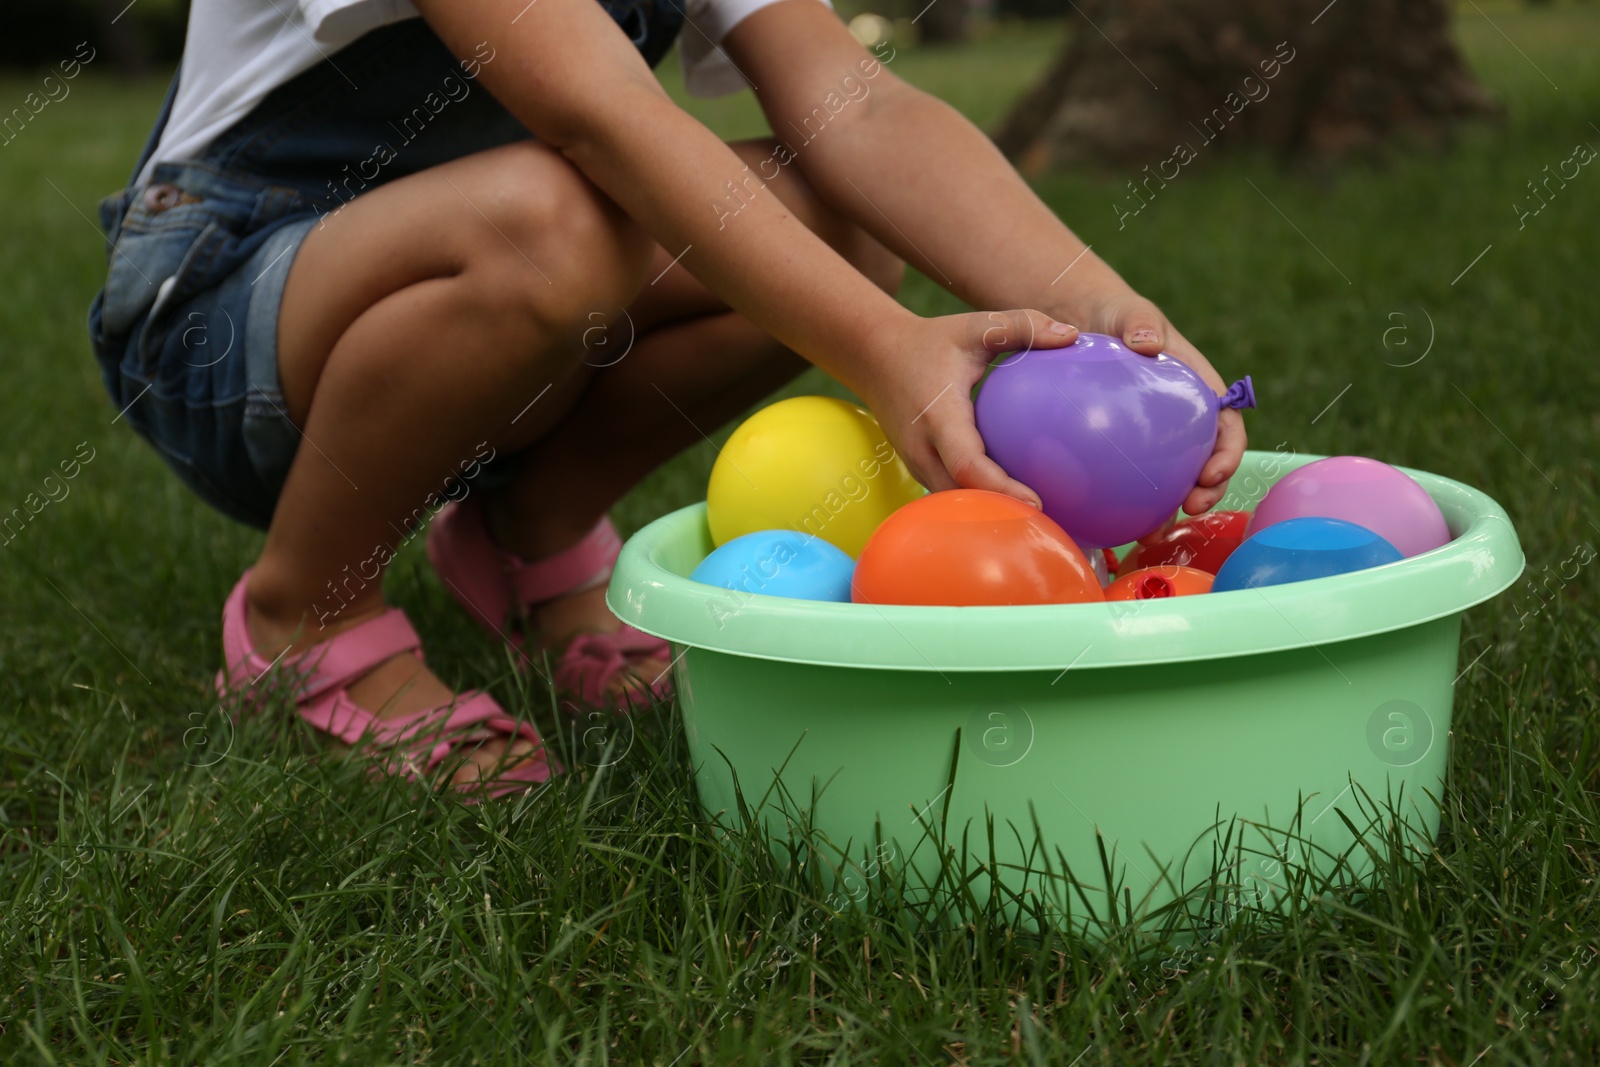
(920, 388)
(1144, 329)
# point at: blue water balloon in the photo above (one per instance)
(1299, 549)
(780, 563)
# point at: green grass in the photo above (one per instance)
(177, 891)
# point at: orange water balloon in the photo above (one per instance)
(972, 546)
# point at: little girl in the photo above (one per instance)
(385, 255)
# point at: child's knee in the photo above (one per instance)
(569, 249)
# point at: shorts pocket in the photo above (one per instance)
(141, 261)
(181, 263)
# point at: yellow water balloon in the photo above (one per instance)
(810, 463)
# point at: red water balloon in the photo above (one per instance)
(1204, 542)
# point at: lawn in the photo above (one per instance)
(178, 889)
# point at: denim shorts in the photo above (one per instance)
(185, 328)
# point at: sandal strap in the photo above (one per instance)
(427, 738)
(592, 662)
(584, 565)
(488, 582)
(324, 673)
(476, 716)
(473, 716)
(346, 656)
(329, 665)
(472, 568)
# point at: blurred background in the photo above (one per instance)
(1385, 214)
(1381, 69)
(147, 34)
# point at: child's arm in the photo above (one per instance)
(916, 174)
(568, 73)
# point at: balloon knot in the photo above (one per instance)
(1241, 394)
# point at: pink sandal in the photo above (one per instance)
(322, 678)
(498, 589)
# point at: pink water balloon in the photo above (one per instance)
(1364, 491)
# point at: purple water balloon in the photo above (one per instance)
(1112, 441)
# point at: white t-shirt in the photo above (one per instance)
(238, 51)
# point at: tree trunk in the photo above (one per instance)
(1140, 80)
(942, 22)
(129, 55)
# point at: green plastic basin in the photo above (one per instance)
(1128, 740)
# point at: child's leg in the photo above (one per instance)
(415, 324)
(694, 366)
(422, 320)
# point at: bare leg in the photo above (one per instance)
(700, 367)
(419, 322)
(411, 326)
